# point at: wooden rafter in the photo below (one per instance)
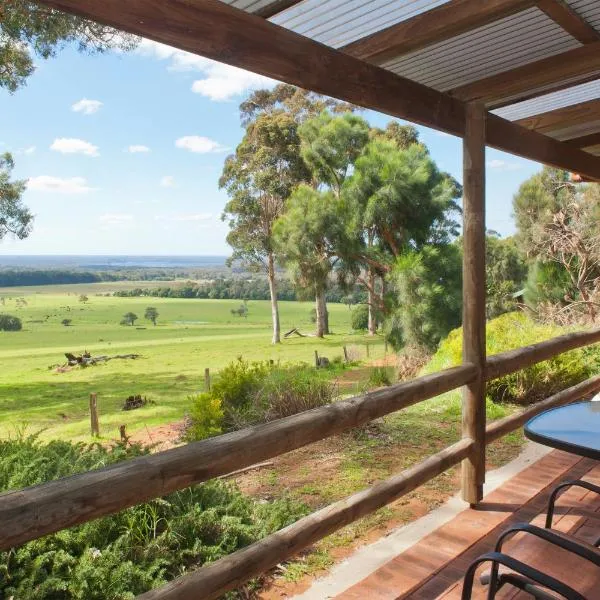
(218, 31)
(585, 141)
(448, 20)
(542, 76)
(562, 14)
(558, 122)
(276, 7)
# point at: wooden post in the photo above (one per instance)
(473, 409)
(207, 379)
(345, 354)
(316, 359)
(94, 414)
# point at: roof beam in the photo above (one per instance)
(562, 14)
(558, 122)
(585, 141)
(275, 8)
(542, 76)
(436, 25)
(218, 31)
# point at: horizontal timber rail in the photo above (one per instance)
(521, 358)
(497, 429)
(39, 510)
(232, 571)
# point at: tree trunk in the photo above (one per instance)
(322, 317)
(371, 301)
(273, 292)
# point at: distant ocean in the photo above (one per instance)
(109, 262)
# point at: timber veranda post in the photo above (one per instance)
(473, 404)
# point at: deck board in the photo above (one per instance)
(434, 567)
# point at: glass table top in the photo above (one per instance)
(574, 428)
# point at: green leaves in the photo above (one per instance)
(15, 218)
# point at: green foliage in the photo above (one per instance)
(206, 416)
(151, 314)
(547, 282)
(28, 27)
(10, 323)
(121, 556)
(15, 218)
(558, 222)
(381, 376)
(129, 318)
(360, 317)
(513, 330)
(83, 298)
(428, 297)
(506, 271)
(257, 392)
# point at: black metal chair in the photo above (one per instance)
(542, 585)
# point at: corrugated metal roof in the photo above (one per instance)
(340, 22)
(500, 46)
(549, 102)
(589, 10)
(506, 44)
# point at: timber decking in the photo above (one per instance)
(434, 567)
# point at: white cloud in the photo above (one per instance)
(220, 82)
(74, 146)
(502, 165)
(115, 218)
(47, 183)
(189, 218)
(87, 107)
(137, 148)
(28, 151)
(167, 181)
(199, 144)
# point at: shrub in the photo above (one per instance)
(206, 416)
(10, 323)
(251, 393)
(288, 391)
(534, 383)
(360, 317)
(235, 386)
(123, 555)
(380, 376)
(66, 322)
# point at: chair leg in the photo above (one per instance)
(559, 488)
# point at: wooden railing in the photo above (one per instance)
(43, 509)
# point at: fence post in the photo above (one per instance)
(474, 280)
(207, 379)
(94, 414)
(345, 354)
(316, 359)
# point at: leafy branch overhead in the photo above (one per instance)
(29, 29)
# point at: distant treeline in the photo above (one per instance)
(26, 277)
(241, 289)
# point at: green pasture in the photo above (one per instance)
(190, 335)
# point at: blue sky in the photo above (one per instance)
(122, 153)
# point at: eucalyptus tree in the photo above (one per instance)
(259, 178)
(311, 231)
(398, 202)
(15, 218)
(29, 29)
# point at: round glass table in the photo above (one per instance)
(573, 428)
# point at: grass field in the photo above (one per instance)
(190, 336)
